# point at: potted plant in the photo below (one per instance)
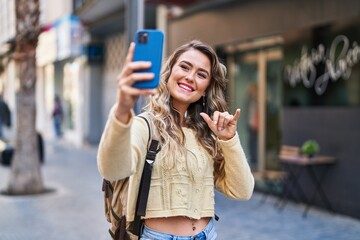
(310, 148)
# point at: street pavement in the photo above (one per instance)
(74, 210)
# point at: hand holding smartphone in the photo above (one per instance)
(149, 47)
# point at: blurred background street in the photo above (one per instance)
(74, 210)
(293, 67)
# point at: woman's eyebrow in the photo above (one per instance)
(200, 69)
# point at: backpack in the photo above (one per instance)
(116, 196)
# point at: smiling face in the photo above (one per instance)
(189, 79)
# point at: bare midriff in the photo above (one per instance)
(179, 225)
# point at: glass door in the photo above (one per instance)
(255, 88)
(245, 97)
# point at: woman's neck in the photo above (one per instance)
(182, 114)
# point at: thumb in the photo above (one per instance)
(208, 121)
(206, 118)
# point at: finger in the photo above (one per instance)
(142, 76)
(206, 118)
(237, 115)
(135, 92)
(136, 77)
(130, 54)
(134, 66)
(221, 122)
(227, 119)
(208, 121)
(216, 117)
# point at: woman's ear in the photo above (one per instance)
(204, 104)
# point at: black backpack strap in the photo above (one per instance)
(148, 125)
(145, 182)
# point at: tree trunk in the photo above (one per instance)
(25, 174)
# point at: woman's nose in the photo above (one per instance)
(189, 77)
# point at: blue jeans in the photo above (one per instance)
(57, 125)
(208, 233)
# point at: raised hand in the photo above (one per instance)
(222, 124)
(126, 93)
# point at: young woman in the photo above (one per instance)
(200, 148)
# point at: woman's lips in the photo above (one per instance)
(186, 87)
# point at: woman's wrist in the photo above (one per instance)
(122, 116)
(227, 139)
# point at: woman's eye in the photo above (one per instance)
(184, 67)
(201, 75)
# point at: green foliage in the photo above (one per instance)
(310, 147)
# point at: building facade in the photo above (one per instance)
(111, 25)
(299, 60)
(59, 45)
(7, 66)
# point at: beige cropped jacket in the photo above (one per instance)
(185, 190)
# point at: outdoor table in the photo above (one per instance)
(295, 166)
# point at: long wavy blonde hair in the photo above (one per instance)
(167, 120)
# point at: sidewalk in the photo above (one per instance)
(74, 211)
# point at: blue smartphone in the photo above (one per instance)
(149, 47)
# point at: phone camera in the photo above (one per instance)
(143, 37)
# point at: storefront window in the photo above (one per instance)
(322, 65)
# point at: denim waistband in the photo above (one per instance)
(208, 233)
